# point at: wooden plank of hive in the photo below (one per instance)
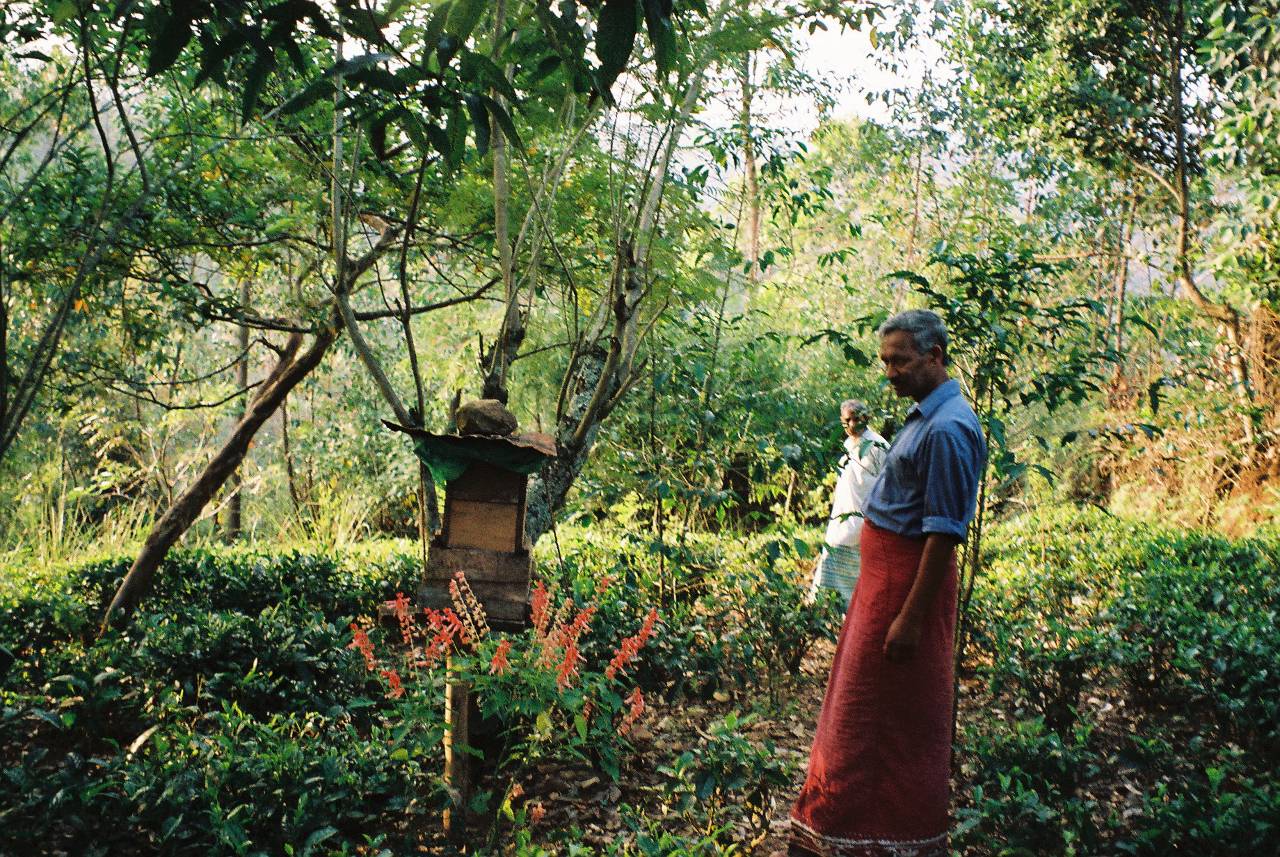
(477, 524)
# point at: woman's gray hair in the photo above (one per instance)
(925, 327)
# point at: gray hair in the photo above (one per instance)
(861, 411)
(925, 327)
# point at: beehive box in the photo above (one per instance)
(482, 535)
(485, 479)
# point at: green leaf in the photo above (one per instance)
(615, 39)
(355, 64)
(378, 135)
(546, 67)
(214, 54)
(910, 276)
(63, 11)
(317, 837)
(320, 88)
(435, 25)
(457, 130)
(479, 121)
(997, 432)
(441, 143)
(48, 717)
(579, 723)
(478, 68)
(254, 81)
(503, 119)
(1153, 393)
(463, 17)
(168, 37)
(657, 21)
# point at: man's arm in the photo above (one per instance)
(954, 461)
(904, 634)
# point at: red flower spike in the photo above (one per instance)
(631, 646)
(499, 664)
(395, 688)
(539, 603)
(404, 613)
(360, 640)
(568, 667)
(636, 703)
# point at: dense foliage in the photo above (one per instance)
(1116, 699)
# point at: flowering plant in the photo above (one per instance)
(535, 689)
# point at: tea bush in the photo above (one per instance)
(227, 717)
(1180, 628)
(727, 775)
(733, 609)
(231, 716)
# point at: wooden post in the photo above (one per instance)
(458, 763)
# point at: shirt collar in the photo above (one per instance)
(942, 393)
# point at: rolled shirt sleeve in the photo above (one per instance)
(954, 457)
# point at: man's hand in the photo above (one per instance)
(903, 639)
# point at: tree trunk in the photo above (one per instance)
(1226, 315)
(178, 518)
(599, 375)
(235, 508)
(752, 170)
(511, 334)
(290, 475)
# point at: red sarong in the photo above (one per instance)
(879, 772)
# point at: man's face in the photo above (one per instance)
(911, 373)
(852, 425)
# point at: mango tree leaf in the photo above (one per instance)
(463, 17)
(546, 66)
(319, 88)
(378, 135)
(376, 77)
(479, 121)
(169, 35)
(363, 61)
(615, 39)
(63, 11)
(661, 34)
(478, 68)
(435, 25)
(457, 130)
(441, 143)
(503, 119)
(255, 79)
(214, 55)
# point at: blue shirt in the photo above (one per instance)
(929, 483)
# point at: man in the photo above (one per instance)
(864, 456)
(878, 773)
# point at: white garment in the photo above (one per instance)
(859, 467)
